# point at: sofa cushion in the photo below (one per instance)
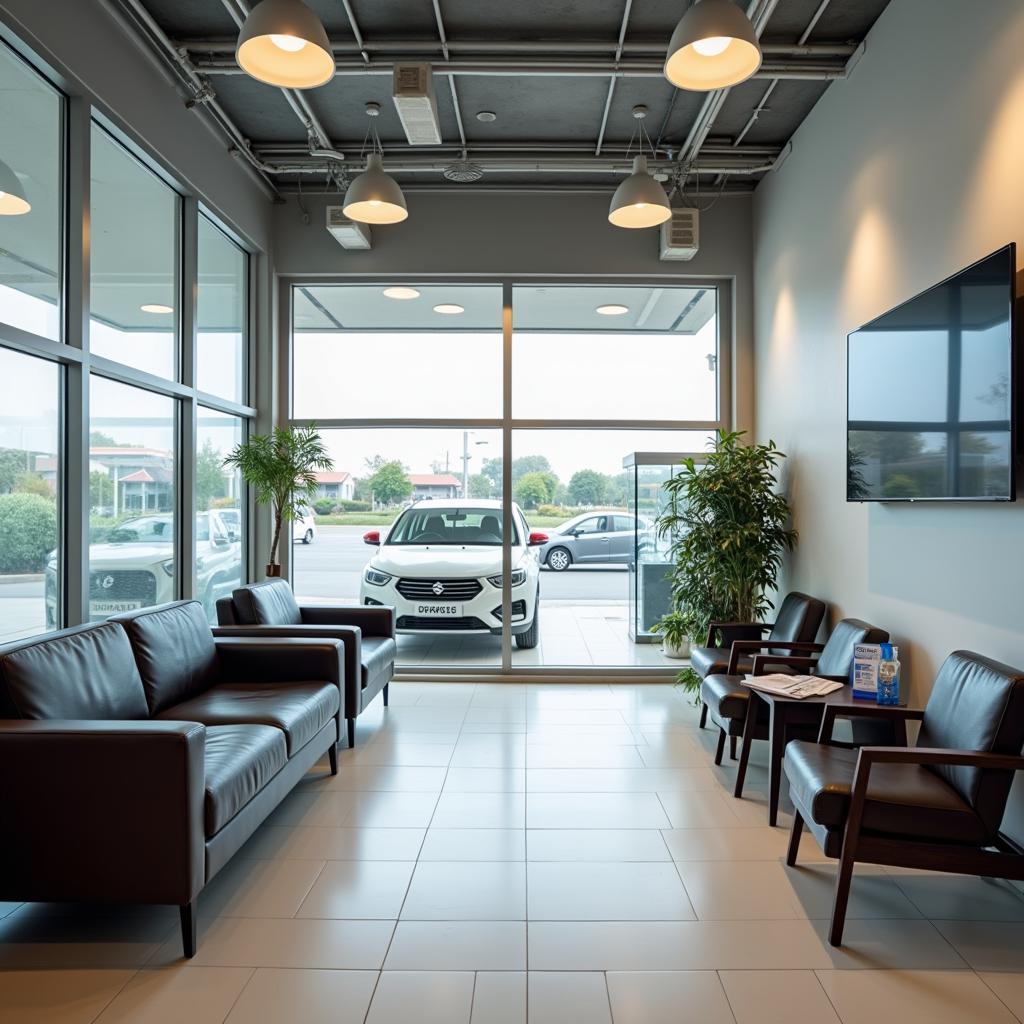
(378, 655)
(797, 619)
(299, 710)
(904, 800)
(87, 672)
(726, 695)
(174, 649)
(270, 603)
(240, 760)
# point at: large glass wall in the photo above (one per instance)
(113, 494)
(422, 388)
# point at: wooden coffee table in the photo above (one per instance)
(785, 713)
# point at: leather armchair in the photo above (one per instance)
(269, 609)
(937, 805)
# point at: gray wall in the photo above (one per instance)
(901, 175)
(522, 235)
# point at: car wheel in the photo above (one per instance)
(528, 640)
(559, 559)
(307, 537)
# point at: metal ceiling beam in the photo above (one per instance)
(354, 25)
(296, 149)
(614, 78)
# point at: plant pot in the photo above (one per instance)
(273, 570)
(676, 650)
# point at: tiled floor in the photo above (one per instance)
(492, 854)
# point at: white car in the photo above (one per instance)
(440, 567)
(304, 528)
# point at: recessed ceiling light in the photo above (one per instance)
(156, 307)
(612, 309)
(400, 292)
(487, 116)
(449, 308)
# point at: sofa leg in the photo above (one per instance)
(794, 839)
(332, 753)
(188, 928)
(351, 732)
(720, 749)
(703, 715)
(385, 692)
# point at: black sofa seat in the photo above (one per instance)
(238, 762)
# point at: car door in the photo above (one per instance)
(621, 547)
(592, 541)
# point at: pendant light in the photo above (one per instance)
(714, 46)
(374, 197)
(284, 43)
(640, 201)
(13, 201)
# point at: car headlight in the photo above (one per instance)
(376, 577)
(518, 578)
(168, 567)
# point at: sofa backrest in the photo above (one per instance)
(798, 619)
(270, 603)
(836, 658)
(175, 651)
(86, 672)
(976, 704)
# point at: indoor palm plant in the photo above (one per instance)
(281, 469)
(729, 527)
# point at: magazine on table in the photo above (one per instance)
(795, 687)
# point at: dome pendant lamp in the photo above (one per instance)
(284, 43)
(640, 201)
(714, 46)
(13, 201)
(374, 197)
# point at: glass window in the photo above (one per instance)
(30, 238)
(30, 481)
(132, 542)
(359, 353)
(220, 510)
(221, 314)
(654, 358)
(135, 245)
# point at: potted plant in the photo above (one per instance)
(675, 635)
(281, 469)
(729, 527)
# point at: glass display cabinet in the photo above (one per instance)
(646, 499)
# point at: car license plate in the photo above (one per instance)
(446, 611)
(112, 607)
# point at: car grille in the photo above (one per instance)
(454, 590)
(125, 585)
(446, 625)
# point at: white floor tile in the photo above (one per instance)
(480, 810)
(594, 810)
(427, 997)
(467, 891)
(485, 780)
(595, 844)
(308, 996)
(200, 995)
(358, 889)
(568, 998)
(335, 843)
(779, 997)
(58, 996)
(458, 946)
(642, 997)
(499, 998)
(453, 844)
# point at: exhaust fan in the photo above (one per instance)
(680, 234)
(348, 233)
(413, 93)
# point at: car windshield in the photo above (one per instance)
(456, 526)
(146, 530)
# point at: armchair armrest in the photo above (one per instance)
(102, 810)
(281, 660)
(733, 631)
(375, 620)
(885, 711)
(741, 647)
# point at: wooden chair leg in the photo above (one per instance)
(332, 753)
(732, 747)
(188, 928)
(703, 715)
(794, 839)
(720, 749)
(351, 732)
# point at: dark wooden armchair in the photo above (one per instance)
(937, 805)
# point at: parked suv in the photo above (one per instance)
(594, 537)
(133, 567)
(440, 566)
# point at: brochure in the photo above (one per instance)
(795, 687)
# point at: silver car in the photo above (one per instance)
(593, 537)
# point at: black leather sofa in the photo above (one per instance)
(270, 609)
(141, 753)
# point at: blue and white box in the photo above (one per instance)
(864, 671)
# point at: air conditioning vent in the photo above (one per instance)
(349, 234)
(413, 93)
(680, 234)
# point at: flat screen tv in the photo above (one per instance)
(931, 393)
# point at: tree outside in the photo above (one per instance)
(211, 482)
(535, 489)
(588, 487)
(390, 484)
(481, 486)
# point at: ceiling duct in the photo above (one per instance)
(463, 171)
(413, 93)
(680, 234)
(348, 233)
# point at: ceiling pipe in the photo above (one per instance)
(614, 78)
(294, 149)
(354, 25)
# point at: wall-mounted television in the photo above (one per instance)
(931, 392)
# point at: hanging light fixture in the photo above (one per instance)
(714, 46)
(374, 197)
(640, 201)
(13, 201)
(284, 43)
